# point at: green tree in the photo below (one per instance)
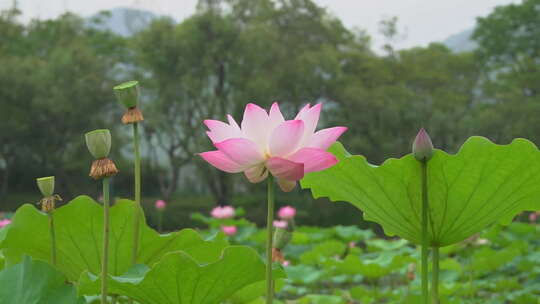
(226, 55)
(386, 100)
(509, 51)
(54, 86)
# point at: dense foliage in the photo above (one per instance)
(344, 264)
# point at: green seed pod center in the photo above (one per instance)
(46, 185)
(128, 93)
(99, 143)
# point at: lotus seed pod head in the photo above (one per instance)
(422, 147)
(99, 143)
(128, 93)
(46, 185)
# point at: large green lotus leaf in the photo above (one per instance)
(483, 183)
(385, 263)
(35, 282)
(254, 292)
(179, 279)
(79, 233)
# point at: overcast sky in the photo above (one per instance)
(422, 21)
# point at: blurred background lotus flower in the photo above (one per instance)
(266, 142)
(224, 212)
(160, 205)
(229, 230)
(287, 213)
(533, 216)
(4, 222)
(280, 224)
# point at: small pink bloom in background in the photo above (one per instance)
(160, 204)
(229, 230)
(280, 224)
(266, 142)
(287, 212)
(4, 222)
(286, 263)
(224, 212)
(352, 244)
(533, 216)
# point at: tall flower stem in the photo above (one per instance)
(160, 221)
(105, 260)
(53, 237)
(137, 216)
(269, 241)
(425, 241)
(435, 276)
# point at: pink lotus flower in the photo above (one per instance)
(280, 224)
(287, 212)
(266, 142)
(4, 222)
(229, 230)
(160, 205)
(224, 212)
(286, 263)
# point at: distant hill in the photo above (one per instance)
(123, 21)
(128, 21)
(461, 42)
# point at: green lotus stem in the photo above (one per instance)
(269, 241)
(425, 241)
(137, 216)
(53, 237)
(105, 260)
(471, 284)
(160, 221)
(375, 290)
(435, 276)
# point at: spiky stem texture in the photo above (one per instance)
(425, 241)
(105, 258)
(269, 242)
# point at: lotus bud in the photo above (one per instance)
(422, 147)
(99, 145)
(128, 94)
(282, 237)
(46, 185)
